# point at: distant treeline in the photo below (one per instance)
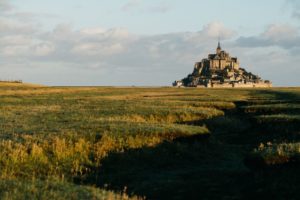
(11, 81)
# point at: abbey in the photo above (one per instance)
(221, 70)
(220, 60)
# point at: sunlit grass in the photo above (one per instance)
(16, 189)
(64, 133)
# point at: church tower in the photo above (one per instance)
(219, 48)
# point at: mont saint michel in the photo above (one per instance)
(221, 70)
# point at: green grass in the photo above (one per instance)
(277, 154)
(14, 189)
(272, 108)
(278, 118)
(69, 142)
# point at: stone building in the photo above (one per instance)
(221, 70)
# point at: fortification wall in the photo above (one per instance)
(226, 85)
(242, 85)
(263, 85)
(230, 85)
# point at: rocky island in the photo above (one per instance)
(221, 70)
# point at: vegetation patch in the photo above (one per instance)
(69, 142)
(15, 189)
(278, 118)
(272, 108)
(275, 154)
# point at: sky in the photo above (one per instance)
(144, 42)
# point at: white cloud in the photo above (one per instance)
(117, 34)
(118, 57)
(5, 5)
(160, 8)
(43, 49)
(62, 32)
(15, 40)
(210, 32)
(273, 53)
(131, 4)
(98, 48)
(284, 36)
(143, 7)
(92, 31)
(92, 49)
(217, 29)
(280, 32)
(10, 26)
(295, 7)
(14, 51)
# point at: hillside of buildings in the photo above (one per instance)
(220, 70)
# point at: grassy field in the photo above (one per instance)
(148, 143)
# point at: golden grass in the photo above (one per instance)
(16, 85)
(63, 133)
(16, 189)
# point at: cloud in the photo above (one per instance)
(93, 31)
(15, 40)
(210, 32)
(5, 5)
(11, 27)
(160, 8)
(43, 49)
(295, 6)
(284, 36)
(92, 49)
(282, 32)
(112, 50)
(139, 5)
(273, 54)
(12, 51)
(217, 29)
(131, 4)
(115, 56)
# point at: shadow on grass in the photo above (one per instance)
(197, 167)
(204, 167)
(283, 95)
(182, 169)
(281, 126)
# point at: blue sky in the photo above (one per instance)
(160, 16)
(144, 42)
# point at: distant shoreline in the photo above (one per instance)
(110, 86)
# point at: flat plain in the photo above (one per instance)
(148, 143)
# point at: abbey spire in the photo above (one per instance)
(219, 47)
